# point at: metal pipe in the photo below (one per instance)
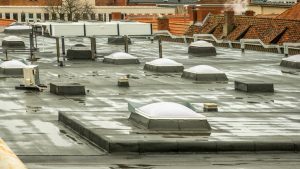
(35, 37)
(126, 43)
(6, 54)
(8, 159)
(31, 41)
(63, 49)
(57, 49)
(160, 47)
(93, 47)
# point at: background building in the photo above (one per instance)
(34, 10)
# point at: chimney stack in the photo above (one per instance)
(249, 13)
(228, 22)
(162, 23)
(116, 16)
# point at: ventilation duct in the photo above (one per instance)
(13, 42)
(202, 48)
(292, 62)
(79, 51)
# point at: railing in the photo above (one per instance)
(258, 42)
(243, 42)
(167, 33)
(208, 37)
(287, 45)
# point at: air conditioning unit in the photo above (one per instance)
(31, 76)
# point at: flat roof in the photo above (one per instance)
(29, 120)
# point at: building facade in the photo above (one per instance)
(35, 10)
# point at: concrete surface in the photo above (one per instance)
(29, 123)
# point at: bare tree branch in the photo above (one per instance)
(73, 8)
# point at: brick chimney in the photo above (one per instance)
(202, 13)
(228, 22)
(162, 23)
(192, 11)
(116, 16)
(249, 13)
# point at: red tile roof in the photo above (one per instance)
(239, 32)
(178, 24)
(266, 15)
(270, 31)
(6, 22)
(293, 13)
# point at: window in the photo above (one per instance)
(62, 16)
(85, 16)
(7, 15)
(100, 17)
(46, 16)
(54, 17)
(30, 16)
(70, 17)
(39, 16)
(77, 16)
(23, 17)
(93, 16)
(15, 16)
(104, 17)
(110, 17)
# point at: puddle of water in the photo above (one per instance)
(53, 133)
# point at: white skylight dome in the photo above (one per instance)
(168, 116)
(12, 64)
(294, 58)
(204, 73)
(12, 38)
(164, 65)
(120, 55)
(203, 69)
(201, 43)
(291, 62)
(121, 58)
(80, 47)
(164, 62)
(168, 110)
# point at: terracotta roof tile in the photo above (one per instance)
(272, 33)
(6, 22)
(239, 32)
(218, 32)
(268, 30)
(293, 13)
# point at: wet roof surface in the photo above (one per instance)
(29, 119)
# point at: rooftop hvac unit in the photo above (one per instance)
(31, 79)
(31, 76)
